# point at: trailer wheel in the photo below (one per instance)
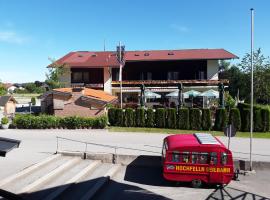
(196, 183)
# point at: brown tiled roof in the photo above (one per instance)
(97, 94)
(87, 59)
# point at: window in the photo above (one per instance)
(185, 157)
(86, 77)
(175, 157)
(224, 158)
(77, 77)
(213, 158)
(195, 157)
(203, 158)
(149, 75)
(172, 75)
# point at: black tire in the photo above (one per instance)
(196, 183)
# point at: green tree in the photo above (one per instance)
(56, 70)
(3, 89)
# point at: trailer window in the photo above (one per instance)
(224, 158)
(175, 157)
(203, 158)
(195, 157)
(185, 157)
(213, 158)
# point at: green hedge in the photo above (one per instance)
(119, 117)
(150, 118)
(183, 119)
(245, 120)
(140, 117)
(195, 119)
(221, 120)
(48, 121)
(171, 118)
(258, 126)
(160, 118)
(265, 120)
(129, 120)
(235, 118)
(111, 116)
(206, 119)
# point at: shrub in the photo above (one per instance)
(119, 117)
(171, 118)
(129, 117)
(4, 120)
(195, 119)
(258, 127)
(206, 119)
(160, 118)
(33, 101)
(221, 120)
(111, 116)
(265, 119)
(150, 118)
(99, 122)
(140, 117)
(245, 120)
(235, 118)
(183, 119)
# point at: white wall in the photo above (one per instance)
(212, 69)
(66, 78)
(107, 72)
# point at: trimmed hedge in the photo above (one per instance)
(48, 121)
(111, 116)
(206, 119)
(195, 119)
(221, 119)
(183, 119)
(140, 117)
(160, 118)
(265, 120)
(150, 118)
(235, 118)
(129, 120)
(258, 126)
(119, 117)
(245, 120)
(171, 118)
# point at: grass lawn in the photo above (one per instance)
(166, 131)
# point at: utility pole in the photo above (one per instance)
(251, 94)
(120, 56)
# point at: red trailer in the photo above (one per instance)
(197, 158)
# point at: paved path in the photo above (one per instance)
(38, 144)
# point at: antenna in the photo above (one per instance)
(104, 45)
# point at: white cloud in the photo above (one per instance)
(178, 28)
(12, 37)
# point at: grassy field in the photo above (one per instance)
(174, 131)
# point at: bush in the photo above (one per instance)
(183, 119)
(221, 120)
(99, 122)
(33, 101)
(119, 117)
(258, 127)
(245, 120)
(265, 119)
(206, 119)
(140, 117)
(171, 118)
(4, 120)
(160, 118)
(111, 116)
(129, 117)
(235, 118)
(195, 119)
(150, 118)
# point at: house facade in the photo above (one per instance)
(7, 106)
(160, 71)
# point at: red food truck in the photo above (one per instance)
(197, 158)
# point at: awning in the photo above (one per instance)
(7, 145)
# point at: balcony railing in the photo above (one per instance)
(88, 85)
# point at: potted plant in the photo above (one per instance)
(4, 122)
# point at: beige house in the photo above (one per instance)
(7, 105)
(82, 102)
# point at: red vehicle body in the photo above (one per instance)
(197, 158)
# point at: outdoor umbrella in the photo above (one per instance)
(151, 95)
(175, 94)
(192, 93)
(210, 93)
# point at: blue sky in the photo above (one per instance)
(31, 31)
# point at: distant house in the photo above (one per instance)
(7, 105)
(84, 102)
